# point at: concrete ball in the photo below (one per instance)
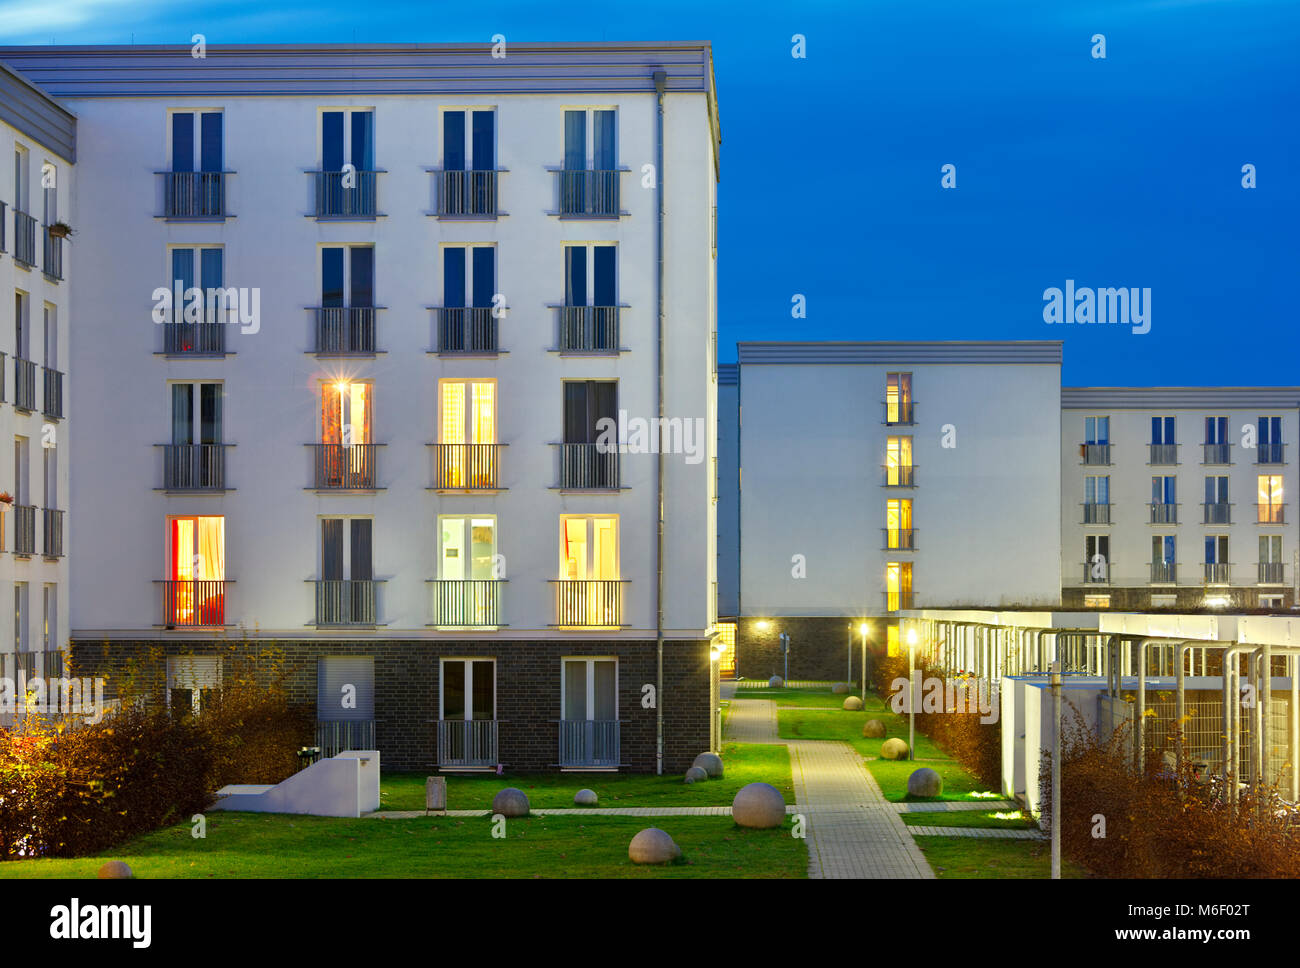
(840, 688)
(115, 870)
(873, 729)
(510, 802)
(853, 703)
(894, 749)
(653, 846)
(696, 774)
(776, 682)
(710, 763)
(758, 805)
(585, 798)
(924, 782)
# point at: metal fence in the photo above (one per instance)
(346, 194)
(24, 384)
(589, 192)
(24, 239)
(467, 603)
(194, 194)
(589, 743)
(336, 736)
(467, 467)
(467, 329)
(590, 329)
(345, 602)
(194, 467)
(589, 466)
(467, 743)
(466, 192)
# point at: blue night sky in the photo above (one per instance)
(1117, 172)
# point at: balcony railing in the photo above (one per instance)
(355, 199)
(899, 475)
(1096, 572)
(467, 603)
(335, 736)
(899, 413)
(345, 602)
(346, 467)
(589, 743)
(1096, 513)
(589, 193)
(1218, 513)
(52, 265)
(194, 194)
(1216, 453)
(1164, 454)
(467, 467)
(24, 529)
(1218, 572)
(194, 467)
(591, 603)
(589, 466)
(52, 383)
(24, 239)
(1271, 514)
(194, 339)
(467, 192)
(52, 522)
(589, 329)
(897, 600)
(899, 539)
(1164, 513)
(1165, 572)
(467, 744)
(345, 330)
(1269, 454)
(3, 207)
(1272, 573)
(467, 329)
(1096, 454)
(192, 603)
(24, 384)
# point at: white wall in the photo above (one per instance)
(728, 500)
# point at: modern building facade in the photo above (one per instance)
(366, 316)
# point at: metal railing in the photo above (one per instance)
(3, 207)
(589, 329)
(1164, 571)
(52, 522)
(345, 602)
(24, 384)
(24, 529)
(206, 339)
(899, 413)
(1218, 572)
(588, 466)
(1267, 453)
(466, 467)
(898, 475)
(194, 603)
(1096, 513)
(467, 603)
(899, 539)
(1096, 573)
(345, 329)
(1096, 454)
(194, 467)
(467, 743)
(1218, 513)
(52, 265)
(347, 467)
(466, 192)
(589, 743)
(1272, 572)
(467, 329)
(1164, 454)
(897, 600)
(589, 192)
(334, 199)
(1164, 513)
(1271, 514)
(194, 194)
(335, 736)
(52, 383)
(24, 239)
(1216, 453)
(593, 603)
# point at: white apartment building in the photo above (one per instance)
(389, 455)
(37, 190)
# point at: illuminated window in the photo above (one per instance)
(196, 571)
(898, 398)
(1270, 499)
(589, 589)
(898, 461)
(898, 585)
(468, 422)
(726, 645)
(898, 523)
(1096, 601)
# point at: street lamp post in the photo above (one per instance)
(911, 698)
(1056, 770)
(864, 663)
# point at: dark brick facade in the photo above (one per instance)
(527, 685)
(818, 647)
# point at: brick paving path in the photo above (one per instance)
(947, 806)
(993, 832)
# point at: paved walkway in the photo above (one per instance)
(573, 811)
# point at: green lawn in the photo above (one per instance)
(969, 818)
(253, 845)
(969, 857)
(742, 763)
(822, 698)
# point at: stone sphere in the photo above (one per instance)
(115, 870)
(710, 763)
(696, 774)
(776, 682)
(853, 703)
(758, 805)
(510, 802)
(840, 688)
(924, 782)
(585, 798)
(894, 749)
(873, 729)
(652, 846)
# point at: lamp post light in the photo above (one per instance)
(1056, 770)
(911, 698)
(863, 629)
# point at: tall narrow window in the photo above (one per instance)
(1163, 558)
(1270, 499)
(346, 319)
(589, 180)
(50, 618)
(1096, 430)
(589, 588)
(1096, 557)
(196, 458)
(467, 434)
(1269, 441)
(467, 594)
(898, 398)
(898, 585)
(21, 619)
(898, 462)
(589, 727)
(589, 317)
(345, 593)
(346, 453)
(898, 523)
(347, 138)
(584, 461)
(196, 571)
(1164, 500)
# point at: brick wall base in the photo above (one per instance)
(819, 647)
(1192, 598)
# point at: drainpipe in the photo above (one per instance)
(1295, 728)
(661, 82)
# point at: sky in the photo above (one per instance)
(1122, 171)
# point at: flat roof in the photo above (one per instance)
(880, 351)
(1167, 398)
(36, 114)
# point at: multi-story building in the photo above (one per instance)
(36, 194)
(363, 318)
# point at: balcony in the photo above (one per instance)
(194, 339)
(466, 194)
(899, 413)
(1163, 454)
(1216, 453)
(900, 476)
(24, 384)
(194, 194)
(52, 383)
(335, 736)
(467, 744)
(194, 467)
(1164, 572)
(52, 528)
(591, 744)
(899, 539)
(466, 467)
(1218, 573)
(587, 193)
(24, 239)
(588, 329)
(346, 194)
(24, 529)
(1272, 573)
(467, 329)
(1269, 454)
(468, 603)
(192, 603)
(897, 600)
(589, 603)
(345, 467)
(345, 602)
(588, 467)
(345, 330)
(1096, 573)
(1271, 514)
(1096, 513)
(1164, 513)
(52, 265)
(1219, 513)
(1095, 455)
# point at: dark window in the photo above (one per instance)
(585, 404)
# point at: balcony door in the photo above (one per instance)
(197, 570)
(589, 560)
(898, 523)
(898, 398)
(466, 566)
(1096, 557)
(898, 585)
(898, 461)
(194, 459)
(203, 140)
(348, 137)
(466, 430)
(345, 433)
(589, 709)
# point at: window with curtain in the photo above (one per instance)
(1216, 430)
(1270, 498)
(1096, 489)
(586, 403)
(1162, 430)
(1096, 430)
(197, 561)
